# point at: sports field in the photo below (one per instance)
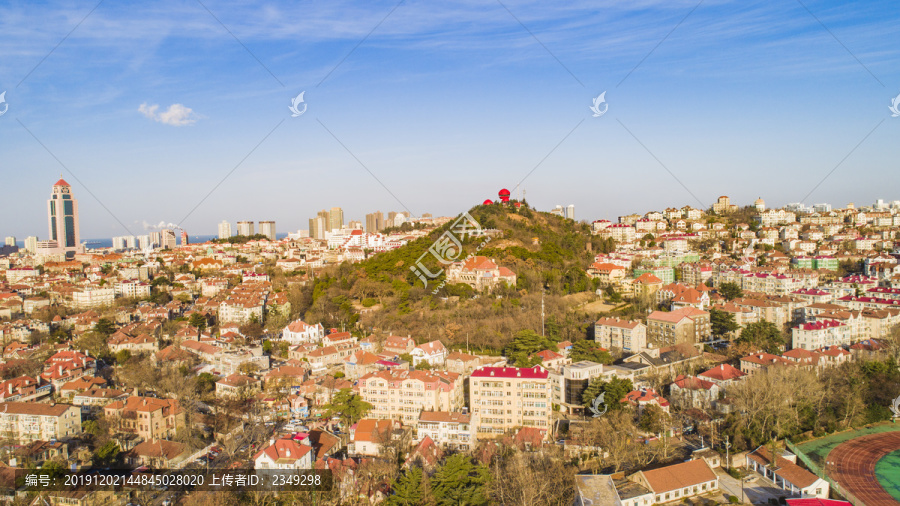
(864, 462)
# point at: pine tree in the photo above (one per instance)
(460, 482)
(409, 489)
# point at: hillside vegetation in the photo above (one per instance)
(545, 251)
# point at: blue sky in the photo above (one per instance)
(444, 104)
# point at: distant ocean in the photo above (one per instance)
(107, 243)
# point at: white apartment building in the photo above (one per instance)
(503, 398)
(93, 297)
(449, 430)
(402, 395)
(132, 289)
(24, 422)
(821, 333)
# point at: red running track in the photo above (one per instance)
(852, 465)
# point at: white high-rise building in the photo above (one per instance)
(10, 240)
(570, 212)
(118, 243)
(245, 228)
(31, 243)
(267, 228)
(224, 230)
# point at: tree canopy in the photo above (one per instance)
(764, 335)
(460, 482)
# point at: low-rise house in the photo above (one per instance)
(433, 352)
(236, 386)
(678, 481)
(462, 363)
(757, 361)
(722, 375)
(692, 392)
(122, 341)
(786, 474)
(97, 397)
(157, 454)
(298, 332)
(398, 345)
(644, 397)
(24, 388)
(284, 453)
(360, 363)
(449, 430)
(368, 436)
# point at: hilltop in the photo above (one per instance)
(544, 250)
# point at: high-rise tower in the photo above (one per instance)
(62, 214)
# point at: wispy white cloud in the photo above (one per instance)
(175, 115)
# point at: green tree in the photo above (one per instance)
(348, 405)
(423, 365)
(199, 321)
(585, 349)
(722, 322)
(108, 453)
(524, 344)
(764, 335)
(615, 390)
(653, 419)
(409, 488)
(123, 356)
(406, 357)
(105, 327)
(460, 482)
(730, 291)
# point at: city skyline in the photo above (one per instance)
(409, 105)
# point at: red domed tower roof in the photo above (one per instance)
(61, 182)
(504, 193)
(487, 202)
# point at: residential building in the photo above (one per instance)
(335, 219)
(688, 392)
(450, 430)
(568, 385)
(224, 230)
(398, 345)
(374, 222)
(819, 334)
(678, 481)
(685, 325)
(284, 453)
(368, 437)
(502, 398)
(480, 273)
(786, 474)
(24, 422)
(236, 386)
(148, 417)
(433, 352)
(245, 228)
(298, 332)
(91, 296)
(616, 334)
(402, 394)
(267, 228)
